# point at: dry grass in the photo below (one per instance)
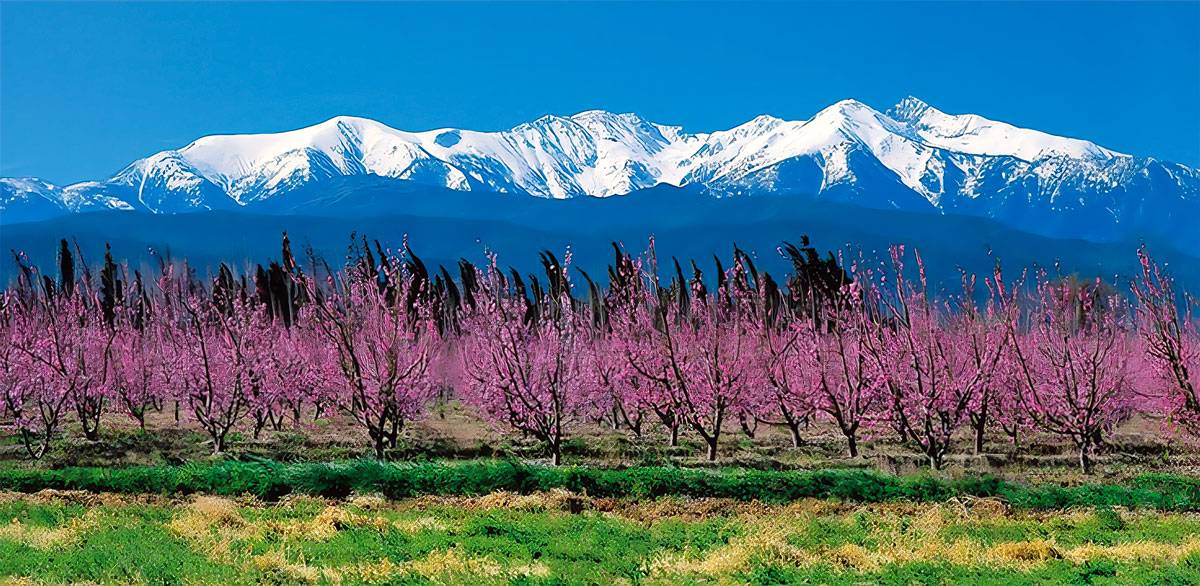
(262, 543)
(212, 525)
(905, 534)
(49, 538)
(275, 566)
(50, 496)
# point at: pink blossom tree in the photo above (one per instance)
(640, 367)
(1073, 361)
(1171, 338)
(645, 384)
(791, 375)
(144, 366)
(1004, 405)
(71, 348)
(704, 356)
(34, 403)
(849, 386)
(299, 372)
(382, 341)
(613, 383)
(999, 403)
(296, 374)
(95, 376)
(11, 375)
(222, 346)
(935, 361)
(63, 355)
(524, 367)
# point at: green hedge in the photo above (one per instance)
(271, 480)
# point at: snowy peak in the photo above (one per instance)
(976, 135)
(907, 110)
(913, 156)
(627, 129)
(591, 153)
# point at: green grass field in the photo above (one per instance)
(559, 537)
(153, 508)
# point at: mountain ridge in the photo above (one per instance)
(911, 157)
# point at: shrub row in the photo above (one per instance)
(271, 480)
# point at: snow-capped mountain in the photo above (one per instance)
(913, 157)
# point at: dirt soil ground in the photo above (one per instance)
(454, 432)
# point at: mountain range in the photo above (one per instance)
(911, 157)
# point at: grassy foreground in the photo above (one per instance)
(271, 480)
(559, 537)
(507, 522)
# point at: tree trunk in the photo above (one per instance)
(936, 461)
(91, 432)
(380, 447)
(712, 448)
(90, 422)
(852, 443)
(36, 447)
(674, 442)
(794, 427)
(636, 428)
(979, 429)
(632, 425)
(748, 428)
(901, 424)
(1085, 457)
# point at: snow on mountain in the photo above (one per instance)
(975, 135)
(912, 157)
(591, 153)
(833, 139)
(25, 199)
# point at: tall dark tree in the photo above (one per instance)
(66, 268)
(112, 288)
(815, 281)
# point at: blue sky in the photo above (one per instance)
(87, 88)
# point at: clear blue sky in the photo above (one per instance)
(87, 88)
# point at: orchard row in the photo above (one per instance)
(860, 343)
